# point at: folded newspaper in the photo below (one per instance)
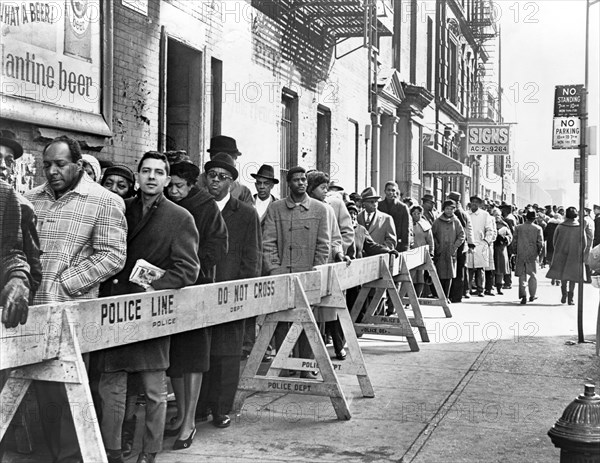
(144, 273)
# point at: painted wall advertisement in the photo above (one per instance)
(51, 53)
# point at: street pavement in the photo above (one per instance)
(487, 387)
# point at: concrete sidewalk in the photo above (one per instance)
(487, 388)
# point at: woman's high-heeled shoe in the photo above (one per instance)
(184, 443)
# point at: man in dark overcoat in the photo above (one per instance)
(391, 205)
(163, 234)
(243, 260)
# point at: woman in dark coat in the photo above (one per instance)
(190, 351)
(566, 263)
(448, 235)
(503, 240)
(549, 239)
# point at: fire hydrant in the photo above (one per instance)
(577, 432)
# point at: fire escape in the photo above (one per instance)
(339, 21)
(482, 21)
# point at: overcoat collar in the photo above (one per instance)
(138, 220)
(305, 203)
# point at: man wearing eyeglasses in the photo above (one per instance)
(243, 260)
(225, 144)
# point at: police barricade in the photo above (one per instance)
(327, 295)
(369, 320)
(49, 346)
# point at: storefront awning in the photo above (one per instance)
(436, 162)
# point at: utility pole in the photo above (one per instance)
(582, 177)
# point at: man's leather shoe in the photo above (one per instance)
(146, 457)
(221, 421)
(532, 298)
(341, 355)
(524, 300)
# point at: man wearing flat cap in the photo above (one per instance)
(228, 145)
(243, 260)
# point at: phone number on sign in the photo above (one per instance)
(489, 149)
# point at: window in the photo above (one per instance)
(323, 139)
(452, 71)
(353, 137)
(289, 137)
(429, 53)
(216, 67)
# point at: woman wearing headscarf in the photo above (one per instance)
(448, 235)
(91, 166)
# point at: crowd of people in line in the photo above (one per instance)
(81, 234)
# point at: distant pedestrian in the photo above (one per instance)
(448, 235)
(503, 240)
(596, 226)
(589, 230)
(528, 243)
(549, 231)
(566, 263)
(484, 234)
(459, 288)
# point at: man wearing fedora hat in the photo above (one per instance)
(457, 289)
(265, 181)
(400, 214)
(10, 151)
(243, 260)
(379, 224)
(429, 212)
(228, 145)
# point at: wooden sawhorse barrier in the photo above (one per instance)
(50, 345)
(419, 259)
(335, 278)
(400, 325)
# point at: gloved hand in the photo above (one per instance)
(394, 253)
(14, 300)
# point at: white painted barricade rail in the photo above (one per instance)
(50, 344)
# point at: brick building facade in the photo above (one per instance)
(367, 91)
